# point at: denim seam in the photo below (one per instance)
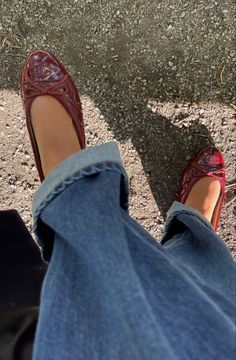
(90, 170)
(183, 211)
(177, 212)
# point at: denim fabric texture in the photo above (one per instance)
(111, 290)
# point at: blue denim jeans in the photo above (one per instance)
(111, 290)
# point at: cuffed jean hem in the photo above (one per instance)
(87, 162)
(179, 208)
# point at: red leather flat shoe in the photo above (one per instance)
(43, 74)
(207, 162)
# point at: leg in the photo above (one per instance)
(192, 242)
(191, 227)
(111, 291)
(92, 294)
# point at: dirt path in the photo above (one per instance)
(157, 76)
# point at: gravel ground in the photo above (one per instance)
(157, 76)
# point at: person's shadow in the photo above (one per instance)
(163, 146)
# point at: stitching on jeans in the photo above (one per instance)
(90, 170)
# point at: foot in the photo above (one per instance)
(54, 132)
(204, 196)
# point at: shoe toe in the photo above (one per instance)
(210, 157)
(42, 67)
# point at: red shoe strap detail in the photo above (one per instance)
(214, 173)
(31, 89)
(217, 174)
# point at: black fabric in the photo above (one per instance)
(17, 331)
(21, 275)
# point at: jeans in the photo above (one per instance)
(111, 290)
